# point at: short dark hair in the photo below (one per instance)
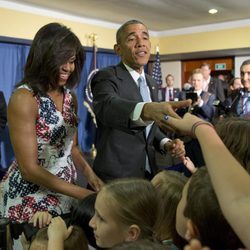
(122, 28)
(81, 214)
(203, 209)
(246, 62)
(52, 46)
(204, 64)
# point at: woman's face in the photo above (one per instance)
(66, 70)
(108, 230)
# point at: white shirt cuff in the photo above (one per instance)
(136, 115)
(163, 142)
(201, 103)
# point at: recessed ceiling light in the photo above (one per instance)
(212, 11)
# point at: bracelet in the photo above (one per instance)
(195, 125)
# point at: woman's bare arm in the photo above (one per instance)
(22, 114)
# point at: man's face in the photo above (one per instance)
(205, 71)
(170, 81)
(134, 47)
(245, 76)
(197, 81)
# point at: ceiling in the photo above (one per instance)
(158, 15)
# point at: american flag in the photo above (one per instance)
(157, 69)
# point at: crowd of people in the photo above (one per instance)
(129, 202)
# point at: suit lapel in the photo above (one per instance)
(125, 76)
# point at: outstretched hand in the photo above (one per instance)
(184, 125)
(176, 148)
(158, 111)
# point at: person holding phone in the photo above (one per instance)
(202, 101)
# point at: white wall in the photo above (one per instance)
(238, 60)
(173, 68)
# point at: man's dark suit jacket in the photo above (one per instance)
(207, 110)
(176, 94)
(215, 87)
(121, 143)
(233, 101)
(3, 112)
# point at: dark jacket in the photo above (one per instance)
(121, 143)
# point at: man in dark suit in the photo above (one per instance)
(127, 134)
(203, 105)
(169, 93)
(211, 84)
(239, 100)
(3, 112)
(3, 120)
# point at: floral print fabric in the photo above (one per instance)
(21, 199)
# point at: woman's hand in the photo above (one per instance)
(94, 181)
(184, 125)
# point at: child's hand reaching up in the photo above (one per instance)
(41, 219)
(58, 233)
(189, 165)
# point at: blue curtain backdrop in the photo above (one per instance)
(12, 60)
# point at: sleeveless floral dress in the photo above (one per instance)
(21, 199)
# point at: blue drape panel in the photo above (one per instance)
(12, 61)
(86, 128)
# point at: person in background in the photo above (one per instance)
(224, 80)
(235, 84)
(125, 101)
(203, 105)
(43, 129)
(239, 100)
(212, 84)
(169, 93)
(3, 121)
(3, 112)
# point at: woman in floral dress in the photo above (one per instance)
(43, 128)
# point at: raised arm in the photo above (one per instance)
(22, 114)
(229, 178)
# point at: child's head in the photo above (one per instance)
(205, 219)
(234, 132)
(76, 240)
(169, 185)
(125, 210)
(81, 215)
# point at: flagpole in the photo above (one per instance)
(93, 37)
(157, 49)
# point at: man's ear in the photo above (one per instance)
(133, 233)
(191, 231)
(117, 49)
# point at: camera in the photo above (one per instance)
(193, 96)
